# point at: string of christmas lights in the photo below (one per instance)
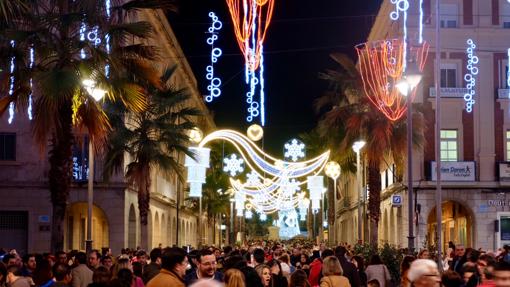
(470, 76)
(215, 82)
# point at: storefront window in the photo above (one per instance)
(449, 145)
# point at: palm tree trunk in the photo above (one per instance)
(374, 202)
(143, 208)
(59, 177)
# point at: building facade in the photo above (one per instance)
(25, 208)
(474, 146)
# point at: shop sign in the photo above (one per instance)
(504, 171)
(396, 200)
(454, 170)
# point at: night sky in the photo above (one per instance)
(300, 38)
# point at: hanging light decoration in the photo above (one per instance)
(381, 65)
(214, 86)
(470, 76)
(251, 19)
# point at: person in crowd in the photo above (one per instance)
(287, 268)
(404, 268)
(470, 275)
(62, 275)
(424, 254)
(124, 278)
(192, 259)
(332, 273)
(141, 256)
(296, 256)
(9, 260)
(373, 283)
(316, 268)
(101, 277)
(107, 261)
(424, 273)
(258, 256)
(485, 266)
(349, 270)
(94, 258)
(14, 278)
(359, 263)
(122, 263)
(82, 275)
(458, 259)
(29, 265)
(264, 273)
(173, 268)
(43, 275)
(451, 279)
(234, 278)
(277, 278)
(137, 270)
(152, 269)
(304, 264)
(61, 257)
(502, 274)
(206, 268)
(377, 270)
(3, 275)
(299, 279)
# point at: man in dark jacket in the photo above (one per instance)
(206, 268)
(152, 269)
(349, 269)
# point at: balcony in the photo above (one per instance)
(503, 94)
(449, 92)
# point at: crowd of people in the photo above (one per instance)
(262, 264)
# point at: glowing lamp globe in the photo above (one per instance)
(195, 135)
(332, 170)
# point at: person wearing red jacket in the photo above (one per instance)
(316, 268)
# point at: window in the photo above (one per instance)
(506, 25)
(8, 146)
(449, 145)
(449, 15)
(449, 76)
(507, 145)
(504, 13)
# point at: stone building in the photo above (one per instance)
(25, 208)
(475, 147)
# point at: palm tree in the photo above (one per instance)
(352, 118)
(61, 103)
(153, 138)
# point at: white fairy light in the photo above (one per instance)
(31, 66)
(470, 76)
(214, 86)
(11, 84)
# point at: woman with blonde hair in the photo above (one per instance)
(332, 273)
(234, 278)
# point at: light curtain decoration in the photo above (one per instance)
(381, 65)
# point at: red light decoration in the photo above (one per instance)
(381, 65)
(251, 18)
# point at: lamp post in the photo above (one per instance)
(332, 170)
(97, 94)
(231, 233)
(357, 146)
(405, 86)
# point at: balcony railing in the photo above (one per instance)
(504, 94)
(448, 92)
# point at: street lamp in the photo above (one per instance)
(357, 146)
(332, 170)
(97, 94)
(405, 86)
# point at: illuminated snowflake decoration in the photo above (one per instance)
(233, 165)
(253, 178)
(263, 217)
(294, 149)
(248, 214)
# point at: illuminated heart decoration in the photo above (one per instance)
(255, 132)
